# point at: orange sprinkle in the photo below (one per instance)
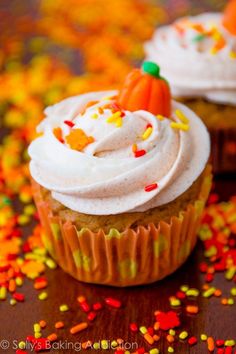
(224, 301)
(52, 337)
(40, 285)
(156, 338)
(81, 299)
(42, 323)
(218, 292)
(79, 327)
(205, 287)
(12, 285)
(156, 326)
(170, 338)
(77, 139)
(58, 133)
(134, 148)
(100, 110)
(192, 309)
(149, 338)
(59, 325)
(210, 344)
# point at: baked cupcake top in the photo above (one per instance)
(111, 152)
(198, 55)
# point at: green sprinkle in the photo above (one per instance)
(170, 350)
(192, 292)
(151, 68)
(104, 344)
(203, 337)
(21, 345)
(184, 288)
(96, 346)
(43, 296)
(154, 351)
(183, 335)
(230, 343)
(233, 291)
(209, 292)
(63, 308)
(143, 329)
(199, 38)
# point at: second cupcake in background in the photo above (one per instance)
(120, 180)
(198, 57)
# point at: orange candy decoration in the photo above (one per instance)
(77, 139)
(229, 17)
(146, 89)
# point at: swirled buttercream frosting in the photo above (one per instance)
(198, 57)
(97, 158)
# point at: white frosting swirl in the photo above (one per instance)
(105, 178)
(186, 58)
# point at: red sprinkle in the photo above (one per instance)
(19, 351)
(148, 126)
(180, 295)
(84, 306)
(140, 350)
(19, 297)
(220, 343)
(69, 123)
(192, 340)
(151, 187)
(220, 351)
(97, 306)
(133, 327)
(228, 350)
(113, 302)
(91, 316)
(139, 153)
(209, 277)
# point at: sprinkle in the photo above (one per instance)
(50, 263)
(42, 323)
(192, 340)
(143, 329)
(230, 273)
(22, 345)
(91, 316)
(100, 110)
(113, 118)
(192, 309)
(59, 325)
(43, 296)
(148, 338)
(151, 187)
(13, 302)
(180, 126)
(220, 343)
(3, 293)
(175, 302)
(147, 133)
(104, 344)
(69, 123)
(233, 291)
(81, 299)
(210, 344)
(192, 292)
(170, 338)
(37, 335)
(97, 306)
(134, 148)
(113, 302)
(94, 116)
(63, 308)
(154, 351)
(84, 306)
(232, 54)
(78, 140)
(133, 327)
(58, 134)
(209, 292)
(79, 327)
(19, 297)
(218, 293)
(52, 337)
(230, 343)
(172, 332)
(170, 350)
(139, 153)
(160, 117)
(203, 337)
(184, 288)
(37, 327)
(181, 116)
(230, 301)
(183, 335)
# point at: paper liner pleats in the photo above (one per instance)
(135, 256)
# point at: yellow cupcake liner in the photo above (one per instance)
(132, 257)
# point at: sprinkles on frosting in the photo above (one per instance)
(78, 140)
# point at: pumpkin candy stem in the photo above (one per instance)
(145, 89)
(229, 17)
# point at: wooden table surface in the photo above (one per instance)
(139, 303)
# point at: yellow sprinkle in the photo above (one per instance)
(43, 296)
(37, 335)
(232, 54)
(23, 219)
(183, 335)
(13, 302)
(104, 344)
(113, 117)
(3, 293)
(64, 308)
(37, 327)
(119, 122)
(50, 263)
(160, 117)
(172, 332)
(170, 350)
(213, 51)
(180, 126)
(143, 329)
(184, 288)
(94, 116)
(181, 116)
(203, 337)
(230, 273)
(29, 209)
(147, 133)
(21, 345)
(230, 343)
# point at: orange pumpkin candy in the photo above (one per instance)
(146, 89)
(229, 17)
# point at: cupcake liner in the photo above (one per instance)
(135, 256)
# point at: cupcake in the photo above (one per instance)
(198, 57)
(120, 180)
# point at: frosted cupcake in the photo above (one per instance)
(198, 57)
(120, 180)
